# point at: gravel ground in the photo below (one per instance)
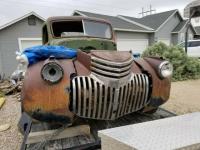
(185, 98)
(10, 113)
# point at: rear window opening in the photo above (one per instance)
(67, 28)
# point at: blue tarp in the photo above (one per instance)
(38, 53)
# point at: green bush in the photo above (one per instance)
(184, 67)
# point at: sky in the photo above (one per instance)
(10, 9)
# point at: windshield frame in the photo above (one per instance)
(81, 20)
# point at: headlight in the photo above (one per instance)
(52, 72)
(165, 69)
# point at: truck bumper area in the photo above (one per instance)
(51, 117)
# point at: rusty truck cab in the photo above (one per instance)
(79, 32)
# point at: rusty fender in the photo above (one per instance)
(44, 101)
(160, 87)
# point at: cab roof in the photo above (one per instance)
(61, 18)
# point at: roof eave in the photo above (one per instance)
(131, 30)
(76, 11)
(21, 18)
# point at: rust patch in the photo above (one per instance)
(160, 87)
(39, 95)
(115, 56)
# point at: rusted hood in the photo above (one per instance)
(115, 56)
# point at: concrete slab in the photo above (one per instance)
(181, 132)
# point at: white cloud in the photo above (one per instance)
(48, 8)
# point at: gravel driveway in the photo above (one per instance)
(185, 98)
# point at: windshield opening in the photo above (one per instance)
(81, 28)
(97, 29)
(66, 27)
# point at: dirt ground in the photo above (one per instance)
(10, 114)
(185, 98)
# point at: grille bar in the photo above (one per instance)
(109, 68)
(96, 70)
(95, 100)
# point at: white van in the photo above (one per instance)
(193, 48)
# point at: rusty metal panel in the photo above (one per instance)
(49, 101)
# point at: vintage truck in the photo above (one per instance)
(100, 83)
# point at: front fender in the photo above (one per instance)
(46, 102)
(160, 86)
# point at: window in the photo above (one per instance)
(82, 28)
(97, 29)
(32, 21)
(67, 28)
(194, 43)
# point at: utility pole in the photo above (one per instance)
(142, 13)
(145, 13)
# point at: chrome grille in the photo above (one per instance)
(109, 68)
(92, 99)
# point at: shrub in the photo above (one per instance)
(184, 67)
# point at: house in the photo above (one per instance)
(137, 34)
(15, 35)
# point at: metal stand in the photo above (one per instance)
(24, 126)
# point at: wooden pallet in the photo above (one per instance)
(83, 134)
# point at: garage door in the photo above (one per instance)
(29, 42)
(135, 45)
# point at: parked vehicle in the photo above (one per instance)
(100, 83)
(193, 48)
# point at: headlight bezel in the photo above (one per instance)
(52, 78)
(164, 73)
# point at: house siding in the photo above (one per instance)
(190, 31)
(175, 39)
(151, 39)
(9, 42)
(165, 31)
